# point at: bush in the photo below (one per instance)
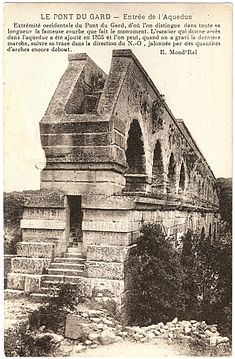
(23, 339)
(207, 286)
(53, 314)
(195, 283)
(155, 278)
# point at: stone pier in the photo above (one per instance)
(116, 158)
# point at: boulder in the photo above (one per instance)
(175, 321)
(213, 328)
(94, 337)
(221, 340)
(108, 322)
(187, 330)
(94, 313)
(107, 337)
(79, 348)
(119, 339)
(74, 329)
(209, 334)
(56, 338)
(93, 346)
(213, 341)
(88, 342)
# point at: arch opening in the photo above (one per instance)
(135, 155)
(158, 170)
(182, 178)
(135, 158)
(171, 175)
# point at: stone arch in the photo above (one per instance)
(158, 169)
(182, 178)
(171, 175)
(135, 154)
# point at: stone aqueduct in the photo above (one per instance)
(116, 158)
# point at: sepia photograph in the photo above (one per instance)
(117, 179)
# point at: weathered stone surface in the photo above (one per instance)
(7, 264)
(16, 281)
(105, 270)
(108, 238)
(42, 224)
(106, 253)
(107, 337)
(122, 227)
(39, 250)
(79, 348)
(222, 340)
(32, 283)
(107, 286)
(94, 337)
(74, 329)
(30, 265)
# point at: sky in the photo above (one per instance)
(197, 89)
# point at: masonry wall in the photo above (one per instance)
(112, 140)
(87, 152)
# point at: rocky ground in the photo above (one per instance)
(94, 332)
(17, 309)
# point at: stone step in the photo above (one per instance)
(71, 260)
(48, 284)
(75, 249)
(46, 290)
(62, 278)
(42, 297)
(13, 293)
(65, 272)
(65, 265)
(73, 255)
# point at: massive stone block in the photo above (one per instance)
(39, 250)
(107, 253)
(32, 283)
(30, 265)
(16, 281)
(108, 270)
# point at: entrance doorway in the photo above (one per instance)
(75, 231)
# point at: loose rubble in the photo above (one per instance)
(90, 328)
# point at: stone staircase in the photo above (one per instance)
(69, 269)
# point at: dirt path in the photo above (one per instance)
(128, 349)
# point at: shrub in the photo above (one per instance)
(207, 285)
(53, 314)
(155, 278)
(195, 283)
(23, 339)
